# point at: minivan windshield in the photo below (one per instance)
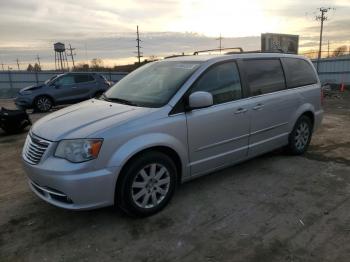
(152, 85)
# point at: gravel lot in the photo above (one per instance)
(273, 208)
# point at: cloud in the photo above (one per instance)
(107, 28)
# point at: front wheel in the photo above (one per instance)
(300, 137)
(43, 103)
(147, 184)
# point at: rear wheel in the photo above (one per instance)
(43, 104)
(300, 137)
(147, 184)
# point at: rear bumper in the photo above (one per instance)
(73, 190)
(318, 119)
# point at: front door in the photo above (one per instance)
(218, 135)
(63, 89)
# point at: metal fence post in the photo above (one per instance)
(11, 84)
(36, 77)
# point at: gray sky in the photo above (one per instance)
(107, 28)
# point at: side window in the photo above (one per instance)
(264, 76)
(298, 72)
(222, 81)
(83, 78)
(65, 80)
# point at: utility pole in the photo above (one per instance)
(38, 58)
(2, 66)
(220, 38)
(17, 63)
(71, 54)
(328, 49)
(138, 40)
(321, 18)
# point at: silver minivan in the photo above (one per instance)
(168, 122)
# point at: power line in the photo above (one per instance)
(71, 54)
(138, 40)
(321, 18)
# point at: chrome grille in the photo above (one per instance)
(34, 149)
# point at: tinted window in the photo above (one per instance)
(83, 78)
(264, 76)
(65, 80)
(222, 81)
(298, 72)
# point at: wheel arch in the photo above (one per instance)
(160, 148)
(307, 110)
(47, 95)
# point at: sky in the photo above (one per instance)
(106, 28)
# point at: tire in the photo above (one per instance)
(146, 185)
(98, 94)
(300, 137)
(43, 104)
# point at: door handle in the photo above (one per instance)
(258, 107)
(241, 110)
(74, 87)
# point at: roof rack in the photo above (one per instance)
(259, 51)
(240, 50)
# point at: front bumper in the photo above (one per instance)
(23, 101)
(72, 189)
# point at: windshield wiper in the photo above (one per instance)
(118, 100)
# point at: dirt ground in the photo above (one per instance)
(273, 208)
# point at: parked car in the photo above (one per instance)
(168, 122)
(62, 89)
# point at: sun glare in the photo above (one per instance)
(229, 17)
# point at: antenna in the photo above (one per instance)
(17, 61)
(220, 38)
(38, 58)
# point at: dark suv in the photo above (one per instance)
(62, 89)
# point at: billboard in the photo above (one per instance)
(279, 42)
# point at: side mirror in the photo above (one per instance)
(200, 99)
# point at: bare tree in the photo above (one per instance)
(96, 63)
(341, 50)
(30, 68)
(37, 67)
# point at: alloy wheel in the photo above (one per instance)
(151, 185)
(43, 104)
(302, 135)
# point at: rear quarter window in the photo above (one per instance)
(298, 72)
(264, 76)
(83, 78)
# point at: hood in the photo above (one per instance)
(31, 88)
(84, 119)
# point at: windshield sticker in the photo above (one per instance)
(186, 66)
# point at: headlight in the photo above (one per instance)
(79, 150)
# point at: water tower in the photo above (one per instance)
(61, 61)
